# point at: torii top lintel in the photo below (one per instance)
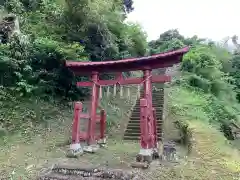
(156, 61)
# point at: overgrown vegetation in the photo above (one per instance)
(207, 88)
(32, 62)
(52, 31)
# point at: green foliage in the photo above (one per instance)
(209, 83)
(52, 31)
(235, 73)
(192, 104)
(47, 60)
(100, 24)
(37, 67)
(169, 40)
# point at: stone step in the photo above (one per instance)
(137, 111)
(159, 119)
(136, 135)
(159, 96)
(154, 105)
(158, 108)
(138, 129)
(137, 117)
(129, 131)
(137, 120)
(137, 123)
(153, 92)
(155, 100)
(137, 126)
(137, 114)
(132, 131)
(153, 95)
(138, 138)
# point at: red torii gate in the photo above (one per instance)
(147, 119)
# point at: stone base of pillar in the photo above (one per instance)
(145, 155)
(75, 150)
(102, 142)
(91, 148)
(156, 154)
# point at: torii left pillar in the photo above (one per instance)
(91, 141)
(75, 147)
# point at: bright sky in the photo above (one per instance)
(214, 19)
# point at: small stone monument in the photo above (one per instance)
(169, 152)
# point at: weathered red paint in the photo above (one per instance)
(154, 79)
(148, 121)
(155, 127)
(93, 109)
(161, 60)
(143, 123)
(149, 115)
(87, 116)
(76, 120)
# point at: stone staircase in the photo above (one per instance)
(132, 131)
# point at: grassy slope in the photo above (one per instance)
(24, 153)
(212, 155)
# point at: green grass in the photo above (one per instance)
(188, 104)
(26, 151)
(214, 149)
(212, 158)
(212, 155)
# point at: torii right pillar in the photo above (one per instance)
(147, 124)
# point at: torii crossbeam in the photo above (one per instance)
(145, 64)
